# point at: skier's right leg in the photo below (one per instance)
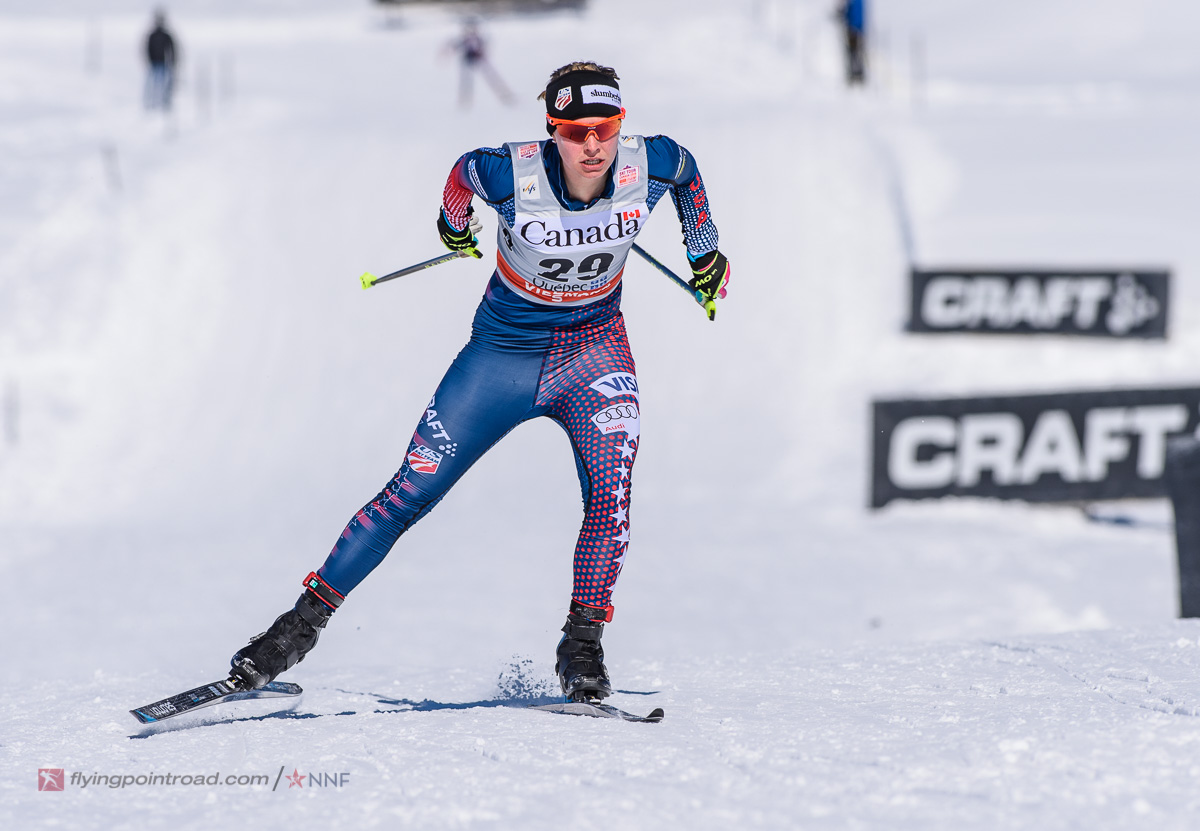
(483, 395)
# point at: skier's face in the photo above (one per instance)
(586, 162)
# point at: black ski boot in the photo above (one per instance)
(580, 664)
(289, 639)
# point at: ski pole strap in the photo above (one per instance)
(603, 614)
(326, 593)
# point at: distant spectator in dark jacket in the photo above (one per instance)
(161, 55)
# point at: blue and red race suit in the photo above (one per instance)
(560, 352)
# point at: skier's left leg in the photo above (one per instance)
(592, 392)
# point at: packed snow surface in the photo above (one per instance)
(196, 395)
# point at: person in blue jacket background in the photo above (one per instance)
(853, 17)
(161, 58)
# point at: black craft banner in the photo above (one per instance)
(1098, 303)
(1060, 447)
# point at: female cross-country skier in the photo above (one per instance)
(548, 339)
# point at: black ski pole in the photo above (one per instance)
(710, 306)
(368, 279)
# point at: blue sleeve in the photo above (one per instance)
(488, 173)
(674, 170)
(668, 161)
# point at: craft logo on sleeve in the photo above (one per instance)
(50, 779)
(628, 175)
(424, 459)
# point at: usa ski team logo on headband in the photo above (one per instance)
(564, 98)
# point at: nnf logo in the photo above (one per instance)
(1041, 448)
(1098, 304)
(337, 779)
(50, 779)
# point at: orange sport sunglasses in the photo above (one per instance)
(578, 133)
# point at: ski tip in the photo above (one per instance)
(367, 279)
(656, 714)
(142, 717)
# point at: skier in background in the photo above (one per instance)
(160, 55)
(853, 16)
(472, 52)
(548, 339)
